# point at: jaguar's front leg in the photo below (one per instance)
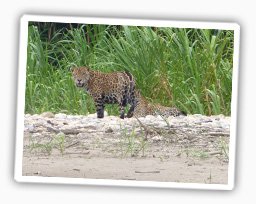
(99, 106)
(100, 110)
(121, 111)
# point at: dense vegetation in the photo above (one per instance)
(187, 68)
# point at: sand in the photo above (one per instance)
(192, 149)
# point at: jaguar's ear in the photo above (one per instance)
(71, 69)
(87, 68)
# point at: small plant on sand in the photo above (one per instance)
(165, 120)
(132, 143)
(223, 146)
(209, 178)
(57, 142)
(196, 153)
(143, 144)
(199, 154)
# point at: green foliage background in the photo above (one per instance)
(187, 68)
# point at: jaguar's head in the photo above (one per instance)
(81, 76)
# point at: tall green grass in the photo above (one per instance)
(187, 68)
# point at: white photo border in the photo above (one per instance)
(25, 19)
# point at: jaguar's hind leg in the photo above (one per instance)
(130, 111)
(133, 102)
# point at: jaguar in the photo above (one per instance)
(143, 108)
(107, 88)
